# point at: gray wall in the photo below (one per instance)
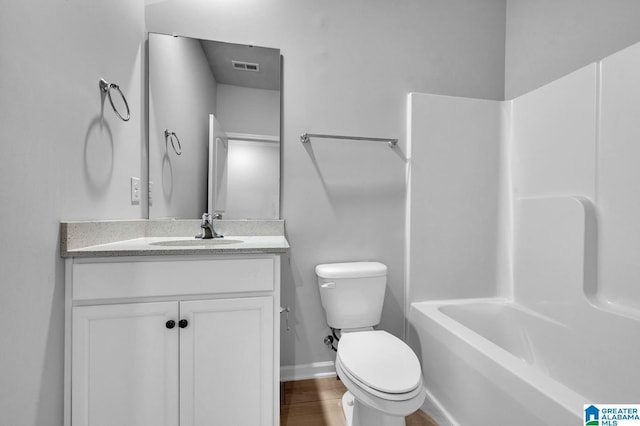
(253, 167)
(348, 67)
(64, 157)
(456, 207)
(253, 181)
(248, 110)
(546, 39)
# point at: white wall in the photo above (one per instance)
(253, 182)
(348, 67)
(65, 156)
(253, 166)
(248, 110)
(455, 198)
(182, 94)
(546, 39)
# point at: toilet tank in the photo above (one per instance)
(352, 294)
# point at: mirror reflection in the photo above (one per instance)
(214, 129)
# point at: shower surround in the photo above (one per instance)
(523, 245)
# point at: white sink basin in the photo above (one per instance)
(195, 242)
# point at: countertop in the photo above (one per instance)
(146, 247)
(161, 238)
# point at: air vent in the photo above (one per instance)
(245, 66)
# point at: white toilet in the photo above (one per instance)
(381, 373)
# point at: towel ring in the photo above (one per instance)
(171, 136)
(106, 87)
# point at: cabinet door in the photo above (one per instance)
(226, 362)
(125, 365)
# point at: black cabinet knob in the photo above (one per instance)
(183, 323)
(170, 324)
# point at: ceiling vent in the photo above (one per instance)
(245, 66)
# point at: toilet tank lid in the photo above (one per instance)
(351, 270)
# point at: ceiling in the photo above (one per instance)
(220, 56)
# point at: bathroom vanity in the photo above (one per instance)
(161, 333)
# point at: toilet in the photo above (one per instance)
(381, 373)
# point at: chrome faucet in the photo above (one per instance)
(207, 227)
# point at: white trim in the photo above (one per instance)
(434, 409)
(315, 370)
(68, 285)
(252, 137)
(407, 220)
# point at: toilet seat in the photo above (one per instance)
(383, 404)
(391, 397)
(380, 364)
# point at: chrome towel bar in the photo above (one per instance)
(306, 138)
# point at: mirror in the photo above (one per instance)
(214, 129)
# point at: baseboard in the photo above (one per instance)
(314, 370)
(437, 412)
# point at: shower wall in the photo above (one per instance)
(473, 160)
(618, 178)
(579, 136)
(554, 138)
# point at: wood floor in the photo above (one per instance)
(317, 402)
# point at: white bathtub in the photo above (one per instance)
(491, 361)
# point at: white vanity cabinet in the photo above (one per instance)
(173, 340)
(124, 365)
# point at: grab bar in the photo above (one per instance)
(106, 87)
(171, 136)
(306, 138)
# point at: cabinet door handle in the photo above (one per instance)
(183, 323)
(170, 324)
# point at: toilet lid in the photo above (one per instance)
(380, 360)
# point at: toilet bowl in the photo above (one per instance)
(382, 374)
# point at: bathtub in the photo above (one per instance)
(492, 361)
